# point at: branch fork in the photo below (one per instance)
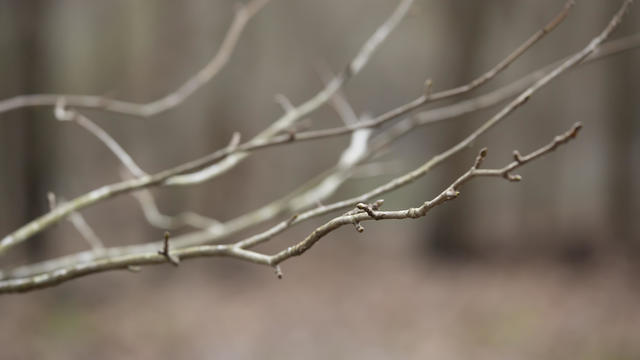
(286, 129)
(172, 258)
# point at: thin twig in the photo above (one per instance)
(605, 50)
(369, 212)
(170, 256)
(162, 221)
(438, 159)
(268, 136)
(230, 156)
(80, 224)
(63, 114)
(212, 68)
(364, 197)
(365, 213)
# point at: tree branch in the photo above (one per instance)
(243, 14)
(230, 156)
(89, 262)
(238, 250)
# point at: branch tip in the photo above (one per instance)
(428, 87)
(377, 204)
(452, 193)
(369, 210)
(517, 157)
(51, 198)
(278, 271)
(173, 259)
(60, 111)
(512, 177)
(576, 129)
(480, 158)
(234, 142)
(291, 135)
(284, 102)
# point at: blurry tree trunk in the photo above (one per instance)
(624, 130)
(447, 238)
(30, 159)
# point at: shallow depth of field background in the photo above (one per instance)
(543, 269)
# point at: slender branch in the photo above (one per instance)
(169, 255)
(162, 221)
(428, 96)
(144, 197)
(370, 211)
(230, 155)
(364, 212)
(220, 59)
(432, 116)
(428, 117)
(438, 159)
(267, 136)
(605, 50)
(124, 263)
(80, 224)
(322, 210)
(63, 114)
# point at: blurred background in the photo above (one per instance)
(546, 268)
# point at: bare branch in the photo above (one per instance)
(125, 263)
(80, 224)
(428, 96)
(145, 198)
(431, 116)
(63, 114)
(266, 137)
(284, 102)
(162, 221)
(221, 58)
(371, 211)
(230, 156)
(82, 265)
(172, 258)
(364, 212)
(436, 160)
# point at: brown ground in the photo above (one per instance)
(380, 304)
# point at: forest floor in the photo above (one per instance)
(377, 304)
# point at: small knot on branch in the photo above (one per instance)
(292, 219)
(369, 210)
(480, 158)
(414, 213)
(234, 142)
(356, 224)
(376, 205)
(451, 193)
(517, 157)
(569, 135)
(428, 87)
(291, 135)
(512, 177)
(60, 111)
(575, 129)
(51, 198)
(173, 259)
